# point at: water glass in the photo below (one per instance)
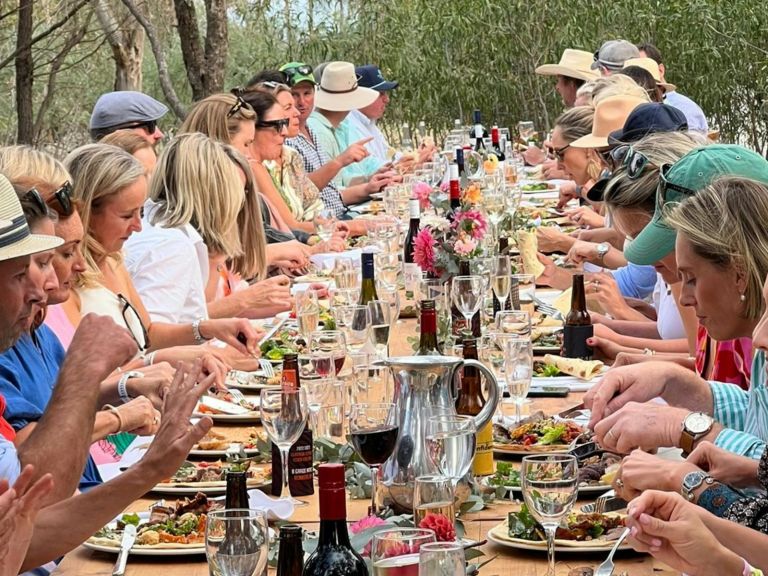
(237, 542)
(549, 484)
(518, 370)
(390, 295)
(433, 495)
(355, 322)
(442, 559)
(325, 395)
(370, 383)
(396, 551)
(451, 444)
(325, 224)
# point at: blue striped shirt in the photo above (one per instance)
(744, 415)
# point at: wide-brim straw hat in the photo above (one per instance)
(15, 238)
(652, 67)
(339, 91)
(573, 64)
(610, 114)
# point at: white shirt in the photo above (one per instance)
(360, 124)
(169, 267)
(668, 322)
(10, 467)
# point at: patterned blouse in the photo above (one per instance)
(299, 192)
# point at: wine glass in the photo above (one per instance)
(433, 495)
(325, 224)
(373, 429)
(344, 296)
(344, 273)
(396, 551)
(491, 354)
(307, 312)
(236, 542)
(451, 444)
(501, 279)
(518, 369)
(513, 322)
(391, 295)
(381, 319)
(323, 394)
(355, 322)
(549, 484)
(526, 131)
(387, 267)
(330, 342)
(468, 295)
(442, 559)
(284, 414)
(494, 204)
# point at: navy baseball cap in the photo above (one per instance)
(648, 119)
(369, 76)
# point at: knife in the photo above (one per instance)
(129, 537)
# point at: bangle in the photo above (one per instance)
(122, 389)
(116, 412)
(149, 359)
(199, 338)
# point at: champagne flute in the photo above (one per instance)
(396, 551)
(355, 322)
(236, 542)
(451, 444)
(494, 205)
(549, 484)
(307, 312)
(442, 559)
(501, 279)
(284, 414)
(381, 319)
(373, 428)
(325, 224)
(433, 495)
(468, 295)
(518, 368)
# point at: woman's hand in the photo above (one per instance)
(585, 217)
(139, 416)
(568, 191)
(602, 288)
(724, 466)
(641, 471)
(582, 252)
(551, 239)
(335, 244)
(237, 332)
(671, 529)
(273, 293)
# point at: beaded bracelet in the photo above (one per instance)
(718, 498)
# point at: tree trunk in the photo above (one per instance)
(191, 50)
(24, 74)
(126, 39)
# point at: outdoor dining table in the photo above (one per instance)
(510, 562)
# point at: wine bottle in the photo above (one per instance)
(496, 144)
(458, 322)
(300, 456)
(478, 132)
(411, 270)
(290, 556)
(334, 555)
(577, 327)
(368, 284)
(428, 344)
(470, 402)
(463, 177)
(406, 142)
(237, 490)
(454, 188)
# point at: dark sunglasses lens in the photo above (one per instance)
(636, 165)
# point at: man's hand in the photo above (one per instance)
(355, 153)
(582, 252)
(551, 239)
(568, 191)
(100, 345)
(646, 426)
(641, 471)
(378, 181)
(724, 466)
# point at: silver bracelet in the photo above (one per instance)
(199, 338)
(149, 359)
(122, 388)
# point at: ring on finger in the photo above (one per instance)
(156, 420)
(610, 434)
(619, 483)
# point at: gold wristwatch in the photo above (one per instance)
(695, 425)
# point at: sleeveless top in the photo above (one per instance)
(102, 301)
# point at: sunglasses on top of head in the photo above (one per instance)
(293, 71)
(665, 186)
(62, 196)
(633, 162)
(239, 104)
(277, 125)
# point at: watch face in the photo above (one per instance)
(698, 423)
(693, 480)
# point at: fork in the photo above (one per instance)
(266, 367)
(607, 567)
(548, 309)
(236, 394)
(599, 505)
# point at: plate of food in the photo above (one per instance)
(528, 187)
(177, 530)
(217, 445)
(577, 533)
(226, 408)
(595, 475)
(536, 434)
(250, 380)
(210, 477)
(553, 369)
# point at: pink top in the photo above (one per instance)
(56, 319)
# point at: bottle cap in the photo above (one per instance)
(331, 476)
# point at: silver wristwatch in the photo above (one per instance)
(692, 481)
(602, 249)
(199, 338)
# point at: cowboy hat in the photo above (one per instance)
(573, 64)
(610, 115)
(339, 90)
(15, 238)
(652, 67)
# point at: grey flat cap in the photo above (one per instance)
(117, 108)
(613, 53)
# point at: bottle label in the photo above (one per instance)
(300, 470)
(575, 341)
(482, 465)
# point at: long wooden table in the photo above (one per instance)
(83, 562)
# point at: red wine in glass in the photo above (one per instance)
(339, 362)
(375, 445)
(324, 365)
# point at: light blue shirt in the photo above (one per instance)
(693, 113)
(327, 138)
(10, 467)
(635, 281)
(744, 414)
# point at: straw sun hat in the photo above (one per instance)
(15, 238)
(573, 64)
(610, 115)
(651, 66)
(339, 90)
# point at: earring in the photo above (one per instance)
(742, 297)
(593, 170)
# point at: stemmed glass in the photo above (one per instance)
(388, 267)
(325, 224)
(396, 551)
(391, 295)
(355, 322)
(307, 312)
(518, 369)
(381, 319)
(442, 559)
(237, 542)
(501, 279)
(492, 355)
(468, 295)
(373, 429)
(344, 273)
(330, 342)
(451, 444)
(549, 485)
(343, 296)
(323, 394)
(284, 414)
(494, 205)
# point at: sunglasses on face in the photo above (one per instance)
(665, 186)
(560, 152)
(149, 126)
(133, 323)
(277, 125)
(631, 160)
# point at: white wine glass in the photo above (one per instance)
(549, 484)
(284, 414)
(344, 273)
(381, 320)
(307, 312)
(388, 267)
(451, 444)
(518, 370)
(468, 294)
(355, 322)
(325, 224)
(236, 542)
(502, 271)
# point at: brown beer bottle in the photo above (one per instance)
(470, 402)
(578, 323)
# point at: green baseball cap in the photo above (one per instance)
(296, 72)
(692, 173)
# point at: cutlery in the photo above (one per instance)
(266, 367)
(129, 537)
(548, 309)
(236, 394)
(223, 407)
(606, 568)
(608, 502)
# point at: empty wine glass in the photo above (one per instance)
(451, 444)
(491, 354)
(355, 322)
(322, 393)
(549, 484)
(381, 319)
(284, 414)
(501, 279)
(396, 551)
(325, 224)
(236, 542)
(373, 429)
(494, 204)
(467, 293)
(518, 370)
(442, 559)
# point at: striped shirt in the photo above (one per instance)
(744, 414)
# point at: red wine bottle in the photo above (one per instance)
(496, 147)
(577, 327)
(334, 555)
(454, 187)
(411, 270)
(290, 556)
(428, 344)
(300, 456)
(478, 132)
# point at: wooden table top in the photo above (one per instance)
(84, 562)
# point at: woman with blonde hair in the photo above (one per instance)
(136, 145)
(111, 188)
(192, 228)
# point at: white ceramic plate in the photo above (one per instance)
(211, 488)
(220, 453)
(249, 418)
(542, 546)
(138, 550)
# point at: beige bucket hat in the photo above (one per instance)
(610, 115)
(15, 238)
(573, 64)
(651, 66)
(339, 91)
